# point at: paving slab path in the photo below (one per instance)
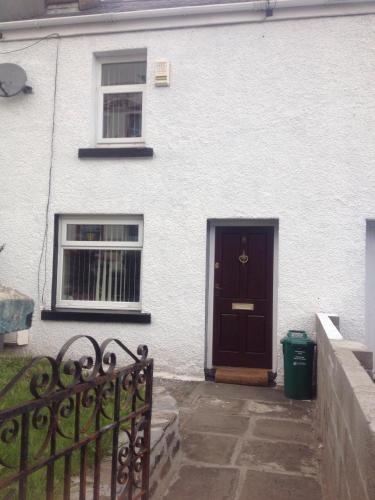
(243, 443)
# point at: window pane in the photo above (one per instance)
(129, 73)
(102, 232)
(101, 275)
(122, 115)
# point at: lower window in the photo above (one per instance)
(99, 262)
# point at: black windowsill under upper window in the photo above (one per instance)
(138, 152)
(102, 316)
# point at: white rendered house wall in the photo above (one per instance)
(261, 121)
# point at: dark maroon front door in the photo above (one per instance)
(243, 297)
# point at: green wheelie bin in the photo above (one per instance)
(299, 352)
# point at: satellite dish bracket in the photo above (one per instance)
(27, 89)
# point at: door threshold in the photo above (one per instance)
(245, 376)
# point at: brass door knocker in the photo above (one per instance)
(244, 259)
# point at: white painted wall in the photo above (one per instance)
(370, 285)
(262, 121)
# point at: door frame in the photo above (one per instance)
(212, 224)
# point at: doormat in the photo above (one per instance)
(244, 376)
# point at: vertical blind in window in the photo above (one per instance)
(101, 262)
(101, 275)
(102, 232)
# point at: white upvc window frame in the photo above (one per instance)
(119, 89)
(63, 243)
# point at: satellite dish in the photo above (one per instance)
(12, 80)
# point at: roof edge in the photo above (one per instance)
(255, 10)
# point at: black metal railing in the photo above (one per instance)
(84, 432)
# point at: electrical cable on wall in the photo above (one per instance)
(52, 35)
(44, 250)
(45, 235)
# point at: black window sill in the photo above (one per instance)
(115, 152)
(102, 316)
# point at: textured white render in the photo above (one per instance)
(261, 121)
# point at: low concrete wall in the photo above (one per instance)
(346, 415)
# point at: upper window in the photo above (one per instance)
(121, 98)
(99, 263)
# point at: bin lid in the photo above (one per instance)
(297, 337)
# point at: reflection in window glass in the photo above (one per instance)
(102, 232)
(122, 115)
(127, 73)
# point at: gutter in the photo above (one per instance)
(255, 6)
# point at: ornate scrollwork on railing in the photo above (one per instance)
(78, 405)
(131, 457)
(89, 401)
(9, 433)
(39, 418)
(42, 420)
(142, 351)
(140, 383)
(64, 373)
(139, 452)
(65, 409)
(42, 384)
(124, 462)
(108, 391)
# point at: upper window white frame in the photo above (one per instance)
(64, 243)
(133, 55)
(97, 220)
